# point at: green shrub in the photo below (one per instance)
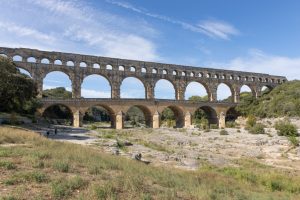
(285, 128)
(230, 124)
(214, 126)
(223, 132)
(294, 141)
(257, 129)
(251, 121)
(63, 188)
(93, 127)
(7, 165)
(61, 166)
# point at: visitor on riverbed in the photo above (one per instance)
(48, 132)
(55, 131)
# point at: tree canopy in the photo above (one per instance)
(17, 90)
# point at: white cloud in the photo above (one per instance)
(211, 28)
(218, 29)
(74, 25)
(261, 62)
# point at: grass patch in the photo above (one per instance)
(7, 165)
(96, 175)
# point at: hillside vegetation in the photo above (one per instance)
(284, 100)
(33, 167)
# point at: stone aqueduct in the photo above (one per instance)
(77, 67)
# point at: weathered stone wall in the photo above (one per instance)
(77, 67)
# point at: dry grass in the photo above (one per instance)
(45, 169)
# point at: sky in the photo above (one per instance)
(254, 35)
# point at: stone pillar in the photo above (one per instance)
(115, 91)
(150, 91)
(188, 120)
(180, 89)
(77, 119)
(222, 122)
(76, 89)
(213, 95)
(119, 120)
(39, 84)
(156, 120)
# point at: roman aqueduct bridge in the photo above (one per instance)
(77, 67)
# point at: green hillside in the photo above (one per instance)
(284, 100)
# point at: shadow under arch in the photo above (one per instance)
(231, 115)
(100, 113)
(58, 114)
(207, 112)
(133, 87)
(178, 115)
(146, 118)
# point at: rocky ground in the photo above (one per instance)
(187, 148)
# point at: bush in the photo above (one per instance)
(61, 166)
(214, 126)
(294, 141)
(285, 128)
(251, 121)
(223, 132)
(257, 129)
(230, 124)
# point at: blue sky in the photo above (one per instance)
(259, 36)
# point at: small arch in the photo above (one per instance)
(95, 86)
(183, 74)
(138, 116)
(172, 117)
(121, 68)
(154, 71)
(132, 69)
(58, 114)
(204, 117)
(82, 64)
(144, 70)
(132, 87)
(70, 64)
(164, 72)
(231, 77)
(109, 67)
(58, 62)
(96, 66)
(200, 74)
(175, 73)
(192, 74)
(208, 75)
(101, 116)
(31, 59)
(164, 89)
(45, 61)
(17, 58)
(216, 76)
(224, 93)
(238, 78)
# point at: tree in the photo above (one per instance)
(198, 98)
(17, 91)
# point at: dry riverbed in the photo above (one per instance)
(188, 148)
